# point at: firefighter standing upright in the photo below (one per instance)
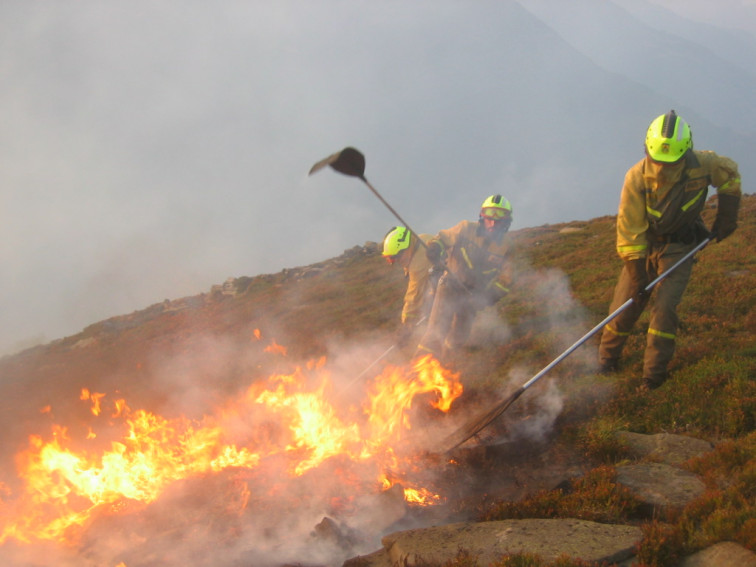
(658, 222)
(475, 256)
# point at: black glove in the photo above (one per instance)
(700, 232)
(434, 253)
(636, 269)
(726, 220)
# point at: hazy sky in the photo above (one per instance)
(739, 14)
(149, 150)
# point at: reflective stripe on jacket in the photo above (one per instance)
(477, 258)
(663, 200)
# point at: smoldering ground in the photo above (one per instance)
(524, 344)
(264, 515)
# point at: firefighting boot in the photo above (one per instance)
(653, 382)
(660, 348)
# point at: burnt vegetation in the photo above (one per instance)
(568, 273)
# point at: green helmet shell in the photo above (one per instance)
(668, 138)
(396, 240)
(496, 207)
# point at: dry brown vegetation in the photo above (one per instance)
(568, 272)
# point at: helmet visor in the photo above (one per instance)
(494, 213)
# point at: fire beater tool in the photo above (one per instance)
(351, 162)
(480, 423)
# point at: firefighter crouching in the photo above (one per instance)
(658, 222)
(402, 247)
(475, 256)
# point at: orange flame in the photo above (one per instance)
(392, 395)
(275, 348)
(421, 496)
(66, 481)
(95, 397)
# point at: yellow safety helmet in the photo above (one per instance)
(668, 138)
(496, 207)
(396, 240)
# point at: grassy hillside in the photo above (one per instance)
(566, 275)
(712, 394)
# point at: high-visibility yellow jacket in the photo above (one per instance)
(665, 200)
(417, 269)
(478, 259)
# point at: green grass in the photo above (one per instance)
(595, 497)
(712, 394)
(713, 398)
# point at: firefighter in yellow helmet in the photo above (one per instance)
(476, 257)
(658, 222)
(402, 247)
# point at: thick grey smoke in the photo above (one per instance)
(260, 515)
(557, 318)
(151, 153)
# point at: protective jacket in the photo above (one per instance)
(478, 274)
(478, 259)
(658, 223)
(664, 203)
(417, 269)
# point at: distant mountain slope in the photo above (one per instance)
(672, 57)
(735, 46)
(549, 107)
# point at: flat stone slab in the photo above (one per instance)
(489, 541)
(664, 447)
(725, 554)
(661, 487)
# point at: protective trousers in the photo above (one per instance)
(663, 322)
(450, 320)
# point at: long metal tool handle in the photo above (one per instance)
(376, 361)
(381, 357)
(619, 310)
(417, 236)
(390, 208)
(350, 161)
(486, 420)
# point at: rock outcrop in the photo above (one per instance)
(663, 447)
(656, 479)
(489, 541)
(724, 554)
(662, 488)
